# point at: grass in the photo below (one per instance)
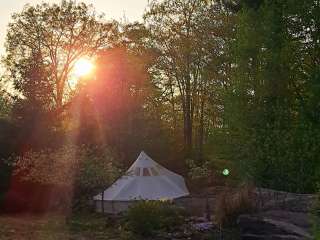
(230, 205)
(78, 227)
(56, 227)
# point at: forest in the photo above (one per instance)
(222, 92)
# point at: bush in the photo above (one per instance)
(85, 170)
(232, 204)
(148, 217)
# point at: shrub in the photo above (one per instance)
(127, 235)
(232, 204)
(147, 217)
(86, 170)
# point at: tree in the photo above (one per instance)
(271, 105)
(5, 103)
(190, 39)
(44, 42)
(117, 107)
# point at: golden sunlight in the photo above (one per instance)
(82, 67)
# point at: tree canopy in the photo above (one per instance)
(44, 42)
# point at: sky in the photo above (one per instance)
(115, 9)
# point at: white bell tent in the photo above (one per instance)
(144, 180)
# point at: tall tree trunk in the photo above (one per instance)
(188, 120)
(201, 130)
(59, 95)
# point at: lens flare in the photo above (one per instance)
(225, 172)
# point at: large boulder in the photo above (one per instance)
(268, 199)
(276, 225)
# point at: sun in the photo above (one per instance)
(82, 67)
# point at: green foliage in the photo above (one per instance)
(286, 158)
(198, 171)
(190, 41)
(91, 222)
(148, 217)
(99, 167)
(5, 103)
(220, 150)
(270, 105)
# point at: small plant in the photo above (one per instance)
(148, 217)
(232, 204)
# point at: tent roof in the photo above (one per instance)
(148, 180)
(143, 160)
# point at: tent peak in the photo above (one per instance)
(143, 160)
(143, 155)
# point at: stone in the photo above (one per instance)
(268, 199)
(275, 225)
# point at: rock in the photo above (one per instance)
(204, 226)
(275, 225)
(299, 219)
(268, 199)
(270, 237)
(180, 234)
